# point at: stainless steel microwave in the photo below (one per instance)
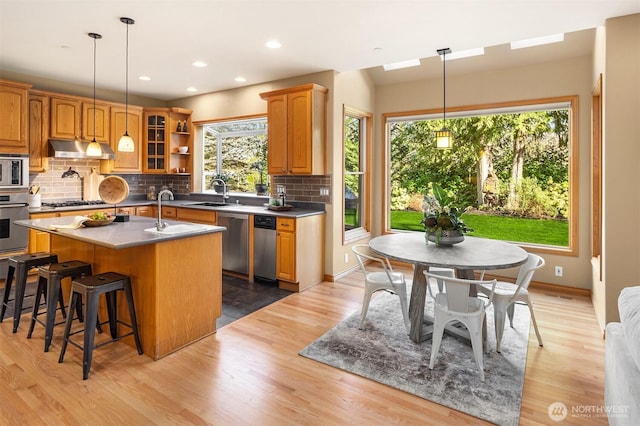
(14, 171)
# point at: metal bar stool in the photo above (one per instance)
(49, 280)
(108, 283)
(20, 266)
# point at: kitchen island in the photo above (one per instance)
(176, 276)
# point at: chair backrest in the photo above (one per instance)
(457, 291)
(533, 263)
(362, 256)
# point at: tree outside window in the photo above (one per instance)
(510, 168)
(356, 176)
(235, 151)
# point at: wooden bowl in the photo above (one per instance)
(92, 223)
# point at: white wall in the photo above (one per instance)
(621, 170)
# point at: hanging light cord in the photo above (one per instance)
(444, 90)
(94, 90)
(126, 87)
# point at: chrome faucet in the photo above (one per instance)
(160, 225)
(225, 194)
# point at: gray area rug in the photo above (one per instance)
(383, 352)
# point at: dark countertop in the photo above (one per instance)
(230, 208)
(118, 235)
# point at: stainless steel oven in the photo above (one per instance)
(13, 206)
(14, 171)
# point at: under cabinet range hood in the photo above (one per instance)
(61, 148)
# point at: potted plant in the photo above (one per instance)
(441, 221)
(217, 186)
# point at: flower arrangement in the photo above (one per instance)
(441, 217)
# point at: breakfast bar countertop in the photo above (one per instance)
(118, 235)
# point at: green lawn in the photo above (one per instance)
(538, 231)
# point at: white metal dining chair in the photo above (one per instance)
(387, 279)
(455, 304)
(507, 294)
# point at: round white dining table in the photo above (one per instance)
(466, 257)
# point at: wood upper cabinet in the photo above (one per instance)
(156, 141)
(13, 117)
(101, 118)
(297, 130)
(131, 120)
(38, 131)
(65, 118)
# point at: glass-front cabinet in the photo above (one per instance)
(156, 144)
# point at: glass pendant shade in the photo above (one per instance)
(444, 139)
(125, 144)
(94, 149)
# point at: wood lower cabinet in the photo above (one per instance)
(297, 120)
(147, 211)
(14, 117)
(286, 249)
(208, 217)
(299, 252)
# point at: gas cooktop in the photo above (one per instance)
(71, 203)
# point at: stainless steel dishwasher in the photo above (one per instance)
(264, 250)
(235, 242)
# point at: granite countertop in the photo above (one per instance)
(192, 204)
(118, 235)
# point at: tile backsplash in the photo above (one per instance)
(298, 188)
(304, 188)
(54, 186)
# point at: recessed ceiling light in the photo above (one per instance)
(240, 79)
(144, 78)
(273, 44)
(463, 54)
(191, 89)
(199, 64)
(401, 64)
(537, 41)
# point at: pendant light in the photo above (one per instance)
(125, 144)
(444, 137)
(94, 149)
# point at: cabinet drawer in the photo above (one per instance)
(286, 224)
(198, 216)
(169, 212)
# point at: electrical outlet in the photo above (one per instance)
(346, 258)
(558, 271)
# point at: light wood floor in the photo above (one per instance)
(250, 373)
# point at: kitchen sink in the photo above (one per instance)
(211, 204)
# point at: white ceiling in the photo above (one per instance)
(48, 38)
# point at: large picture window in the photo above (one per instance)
(511, 168)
